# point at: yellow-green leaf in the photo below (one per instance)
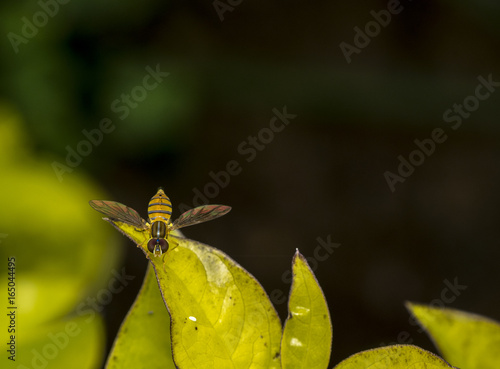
(221, 316)
(394, 357)
(307, 336)
(466, 340)
(71, 342)
(144, 337)
(61, 264)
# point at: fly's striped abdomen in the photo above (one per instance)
(160, 207)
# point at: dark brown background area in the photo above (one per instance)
(323, 174)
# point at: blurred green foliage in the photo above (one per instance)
(64, 255)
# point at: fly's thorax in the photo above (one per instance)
(160, 207)
(158, 229)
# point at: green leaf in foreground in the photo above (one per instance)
(144, 337)
(71, 342)
(466, 340)
(221, 316)
(307, 336)
(394, 357)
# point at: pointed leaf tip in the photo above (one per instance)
(307, 335)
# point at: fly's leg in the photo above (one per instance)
(143, 246)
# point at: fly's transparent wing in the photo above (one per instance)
(199, 215)
(116, 211)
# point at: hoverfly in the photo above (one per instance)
(159, 213)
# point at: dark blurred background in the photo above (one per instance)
(231, 67)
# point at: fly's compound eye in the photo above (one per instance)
(163, 244)
(154, 242)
